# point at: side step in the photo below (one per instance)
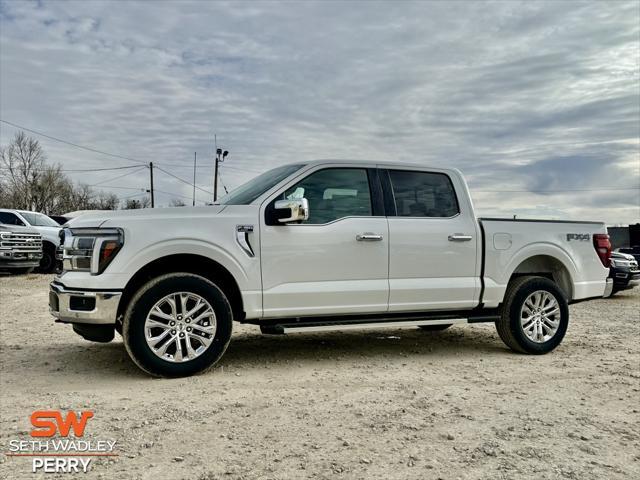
(311, 326)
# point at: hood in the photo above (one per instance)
(17, 229)
(622, 256)
(53, 230)
(98, 218)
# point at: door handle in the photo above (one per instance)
(459, 237)
(368, 237)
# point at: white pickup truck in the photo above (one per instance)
(319, 246)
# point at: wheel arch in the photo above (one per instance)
(548, 266)
(189, 263)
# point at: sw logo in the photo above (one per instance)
(49, 422)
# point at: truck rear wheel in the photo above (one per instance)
(535, 315)
(48, 261)
(177, 325)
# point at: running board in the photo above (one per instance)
(310, 326)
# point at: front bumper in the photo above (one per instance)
(10, 259)
(624, 278)
(79, 306)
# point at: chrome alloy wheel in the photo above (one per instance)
(540, 316)
(180, 327)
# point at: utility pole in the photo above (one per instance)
(194, 178)
(151, 182)
(215, 169)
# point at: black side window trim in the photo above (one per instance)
(375, 190)
(390, 198)
(387, 189)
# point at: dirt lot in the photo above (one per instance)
(378, 404)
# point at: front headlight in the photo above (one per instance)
(90, 249)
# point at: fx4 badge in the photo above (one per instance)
(583, 237)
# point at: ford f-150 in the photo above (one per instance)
(318, 246)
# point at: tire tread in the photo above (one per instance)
(143, 290)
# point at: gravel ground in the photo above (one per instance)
(398, 403)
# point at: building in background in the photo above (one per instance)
(628, 236)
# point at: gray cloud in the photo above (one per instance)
(520, 96)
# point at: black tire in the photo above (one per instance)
(509, 326)
(133, 332)
(434, 328)
(21, 271)
(48, 260)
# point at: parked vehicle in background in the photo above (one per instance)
(319, 246)
(634, 251)
(60, 219)
(20, 249)
(77, 213)
(48, 228)
(624, 271)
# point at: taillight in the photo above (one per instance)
(602, 244)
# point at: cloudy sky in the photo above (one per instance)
(537, 103)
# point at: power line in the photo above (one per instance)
(184, 181)
(173, 194)
(604, 189)
(119, 176)
(222, 182)
(132, 195)
(233, 167)
(124, 188)
(208, 165)
(90, 149)
(77, 169)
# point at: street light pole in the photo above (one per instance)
(215, 176)
(194, 178)
(151, 182)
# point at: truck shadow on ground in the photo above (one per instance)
(249, 350)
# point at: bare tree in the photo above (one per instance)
(133, 203)
(106, 201)
(27, 182)
(24, 161)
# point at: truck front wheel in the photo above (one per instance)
(177, 325)
(535, 315)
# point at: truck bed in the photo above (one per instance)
(524, 246)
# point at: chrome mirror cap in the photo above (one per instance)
(299, 209)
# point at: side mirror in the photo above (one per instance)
(287, 211)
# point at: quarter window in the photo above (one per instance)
(423, 194)
(333, 193)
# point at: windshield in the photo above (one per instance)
(247, 193)
(39, 220)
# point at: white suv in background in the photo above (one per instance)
(47, 227)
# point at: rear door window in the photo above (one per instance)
(423, 194)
